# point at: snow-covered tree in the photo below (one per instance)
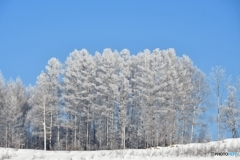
(11, 117)
(124, 93)
(87, 93)
(37, 116)
(186, 105)
(169, 91)
(44, 100)
(71, 88)
(200, 100)
(2, 85)
(53, 70)
(2, 108)
(217, 74)
(78, 90)
(107, 89)
(230, 112)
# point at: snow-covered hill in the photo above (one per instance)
(187, 151)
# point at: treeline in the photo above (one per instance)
(107, 101)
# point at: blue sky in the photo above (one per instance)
(31, 32)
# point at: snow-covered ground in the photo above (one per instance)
(185, 152)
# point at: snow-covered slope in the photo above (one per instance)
(188, 152)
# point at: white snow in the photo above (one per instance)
(185, 152)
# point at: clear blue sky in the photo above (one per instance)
(31, 32)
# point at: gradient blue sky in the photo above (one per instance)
(31, 32)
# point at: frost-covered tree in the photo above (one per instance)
(37, 116)
(148, 93)
(124, 94)
(2, 124)
(87, 93)
(11, 117)
(53, 70)
(169, 91)
(134, 129)
(186, 105)
(78, 90)
(2, 85)
(43, 100)
(107, 88)
(19, 115)
(2, 88)
(99, 109)
(200, 100)
(71, 88)
(217, 75)
(230, 112)
(141, 90)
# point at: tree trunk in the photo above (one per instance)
(6, 143)
(107, 131)
(66, 140)
(192, 130)
(218, 119)
(87, 137)
(44, 125)
(58, 138)
(79, 133)
(75, 132)
(123, 137)
(234, 133)
(112, 133)
(50, 138)
(183, 128)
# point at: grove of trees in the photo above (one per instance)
(114, 100)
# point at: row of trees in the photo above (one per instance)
(109, 101)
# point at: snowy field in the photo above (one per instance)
(183, 152)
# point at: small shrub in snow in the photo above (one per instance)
(177, 151)
(6, 156)
(142, 155)
(205, 150)
(211, 148)
(120, 153)
(103, 153)
(34, 157)
(131, 153)
(41, 156)
(92, 156)
(110, 152)
(154, 153)
(149, 152)
(83, 158)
